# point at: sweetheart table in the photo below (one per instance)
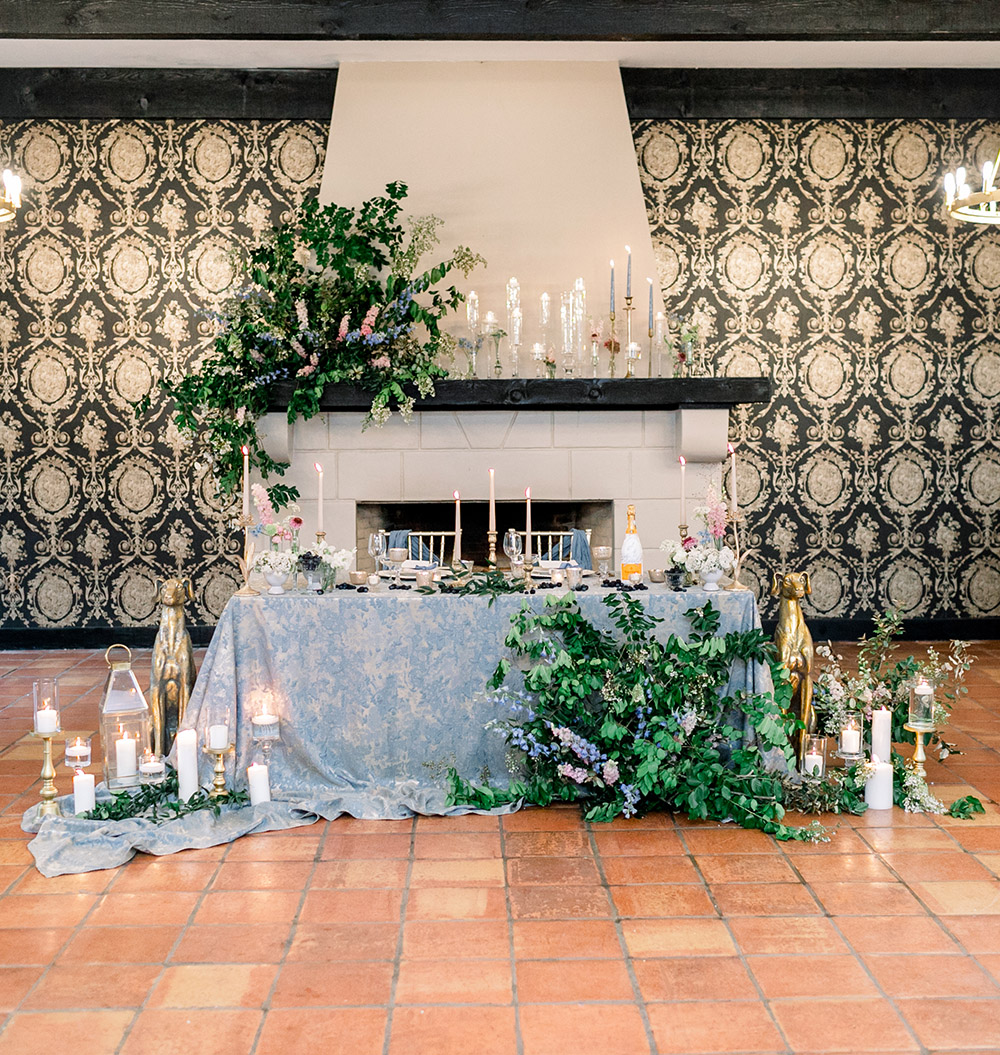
(377, 693)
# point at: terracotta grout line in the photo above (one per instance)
(166, 959)
(640, 1000)
(265, 1006)
(518, 1037)
(398, 956)
(854, 952)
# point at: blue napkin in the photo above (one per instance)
(577, 548)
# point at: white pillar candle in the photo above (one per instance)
(813, 765)
(218, 737)
(683, 464)
(458, 527)
(126, 756)
(246, 481)
(527, 527)
(878, 790)
(46, 720)
(259, 783)
(187, 763)
(850, 741)
(84, 799)
(319, 496)
(881, 733)
(493, 500)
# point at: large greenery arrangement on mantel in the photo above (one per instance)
(337, 294)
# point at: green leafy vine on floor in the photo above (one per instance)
(624, 722)
(337, 294)
(159, 802)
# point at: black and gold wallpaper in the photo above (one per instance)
(107, 279)
(816, 252)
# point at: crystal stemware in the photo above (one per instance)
(376, 548)
(512, 547)
(603, 555)
(397, 556)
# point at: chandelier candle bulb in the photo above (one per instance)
(187, 763)
(126, 756)
(84, 799)
(493, 500)
(881, 733)
(319, 497)
(259, 783)
(878, 789)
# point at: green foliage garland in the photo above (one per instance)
(334, 295)
(159, 802)
(626, 723)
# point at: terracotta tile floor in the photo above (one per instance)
(536, 934)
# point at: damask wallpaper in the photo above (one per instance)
(125, 241)
(816, 252)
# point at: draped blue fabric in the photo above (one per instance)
(378, 695)
(400, 539)
(576, 548)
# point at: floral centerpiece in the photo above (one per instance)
(676, 553)
(337, 294)
(332, 561)
(275, 565)
(707, 554)
(682, 343)
(278, 530)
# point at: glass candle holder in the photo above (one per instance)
(921, 710)
(814, 758)
(46, 713)
(78, 752)
(152, 768)
(850, 737)
(219, 737)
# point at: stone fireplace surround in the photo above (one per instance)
(600, 454)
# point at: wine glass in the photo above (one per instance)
(512, 547)
(376, 548)
(398, 556)
(603, 555)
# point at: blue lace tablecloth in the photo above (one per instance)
(377, 693)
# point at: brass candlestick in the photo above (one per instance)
(218, 770)
(628, 337)
(736, 584)
(246, 521)
(47, 807)
(649, 365)
(916, 763)
(320, 537)
(491, 538)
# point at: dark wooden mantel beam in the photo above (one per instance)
(503, 19)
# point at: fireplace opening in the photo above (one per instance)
(598, 516)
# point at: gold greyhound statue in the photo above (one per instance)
(795, 645)
(173, 672)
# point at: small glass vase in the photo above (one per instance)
(674, 578)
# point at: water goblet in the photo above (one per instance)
(603, 556)
(512, 546)
(397, 556)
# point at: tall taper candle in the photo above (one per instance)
(319, 496)
(683, 462)
(628, 272)
(612, 287)
(733, 507)
(246, 480)
(458, 527)
(493, 501)
(527, 527)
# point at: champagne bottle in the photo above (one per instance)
(631, 549)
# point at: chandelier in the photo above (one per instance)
(10, 198)
(964, 203)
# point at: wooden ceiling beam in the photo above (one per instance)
(726, 20)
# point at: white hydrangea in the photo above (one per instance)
(337, 559)
(676, 554)
(276, 560)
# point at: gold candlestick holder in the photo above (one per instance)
(649, 365)
(245, 521)
(47, 807)
(320, 538)
(611, 346)
(629, 357)
(218, 770)
(916, 763)
(736, 584)
(491, 538)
